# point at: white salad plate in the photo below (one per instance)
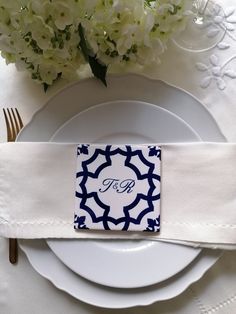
(66, 105)
(117, 263)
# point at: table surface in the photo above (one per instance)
(22, 290)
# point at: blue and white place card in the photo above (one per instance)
(118, 187)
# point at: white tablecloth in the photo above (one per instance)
(23, 291)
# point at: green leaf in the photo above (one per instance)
(83, 44)
(99, 70)
(45, 87)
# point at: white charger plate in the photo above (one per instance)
(67, 104)
(118, 262)
(49, 266)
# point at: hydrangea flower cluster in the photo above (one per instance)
(134, 31)
(44, 37)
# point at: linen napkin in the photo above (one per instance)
(198, 194)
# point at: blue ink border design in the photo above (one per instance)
(126, 219)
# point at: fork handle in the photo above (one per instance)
(13, 251)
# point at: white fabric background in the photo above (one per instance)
(23, 291)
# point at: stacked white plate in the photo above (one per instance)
(133, 109)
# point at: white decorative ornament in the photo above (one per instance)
(231, 19)
(221, 83)
(206, 82)
(230, 73)
(201, 66)
(223, 45)
(214, 59)
(229, 11)
(216, 72)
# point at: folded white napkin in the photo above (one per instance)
(198, 194)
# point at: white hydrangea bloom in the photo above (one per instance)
(48, 73)
(43, 38)
(39, 8)
(61, 14)
(12, 6)
(41, 32)
(5, 21)
(134, 31)
(6, 44)
(169, 17)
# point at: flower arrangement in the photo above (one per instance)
(54, 38)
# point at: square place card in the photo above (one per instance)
(118, 187)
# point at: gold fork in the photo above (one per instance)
(14, 124)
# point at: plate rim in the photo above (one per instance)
(113, 76)
(207, 256)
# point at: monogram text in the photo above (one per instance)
(118, 185)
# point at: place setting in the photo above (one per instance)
(119, 258)
(119, 190)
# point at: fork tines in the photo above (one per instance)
(13, 123)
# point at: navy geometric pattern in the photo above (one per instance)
(153, 225)
(94, 211)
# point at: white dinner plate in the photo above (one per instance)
(118, 262)
(49, 266)
(89, 92)
(78, 97)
